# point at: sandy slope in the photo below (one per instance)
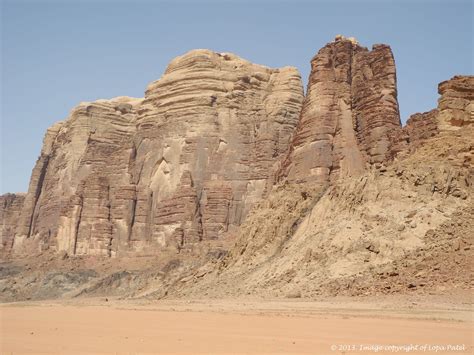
(223, 326)
(403, 227)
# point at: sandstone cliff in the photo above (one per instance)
(208, 136)
(455, 111)
(10, 207)
(456, 104)
(360, 204)
(404, 225)
(69, 201)
(184, 164)
(348, 115)
(188, 161)
(403, 228)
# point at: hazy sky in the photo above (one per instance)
(57, 53)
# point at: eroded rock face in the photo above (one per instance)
(455, 111)
(10, 207)
(208, 135)
(367, 235)
(77, 186)
(456, 104)
(419, 128)
(348, 115)
(184, 164)
(188, 161)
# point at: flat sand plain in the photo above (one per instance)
(339, 326)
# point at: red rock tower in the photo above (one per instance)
(348, 115)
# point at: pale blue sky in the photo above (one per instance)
(57, 53)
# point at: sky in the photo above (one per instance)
(55, 54)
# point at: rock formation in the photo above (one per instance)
(348, 115)
(318, 233)
(455, 111)
(404, 227)
(325, 194)
(10, 207)
(456, 104)
(187, 162)
(74, 195)
(208, 136)
(419, 127)
(184, 164)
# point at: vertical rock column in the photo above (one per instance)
(27, 224)
(375, 112)
(348, 115)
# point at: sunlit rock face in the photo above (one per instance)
(187, 162)
(183, 164)
(456, 104)
(74, 201)
(349, 113)
(10, 208)
(455, 111)
(209, 133)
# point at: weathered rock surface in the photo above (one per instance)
(73, 200)
(419, 128)
(10, 207)
(422, 126)
(456, 104)
(348, 115)
(408, 223)
(403, 226)
(209, 134)
(455, 111)
(362, 206)
(187, 162)
(184, 164)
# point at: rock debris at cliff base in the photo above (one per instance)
(226, 170)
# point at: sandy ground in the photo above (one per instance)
(235, 327)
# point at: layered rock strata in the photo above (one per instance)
(10, 207)
(456, 104)
(419, 127)
(349, 113)
(208, 136)
(455, 111)
(76, 200)
(184, 164)
(188, 161)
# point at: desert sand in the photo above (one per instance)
(233, 327)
